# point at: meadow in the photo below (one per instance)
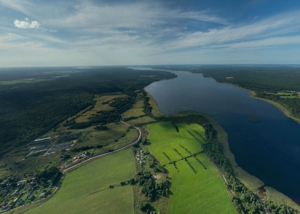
(197, 186)
(136, 111)
(155, 110)
(163, 137)
(100, 105)
(85, 190)
(141, 121)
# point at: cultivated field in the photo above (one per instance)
(197, 186)
(164, 138)
(85, 190)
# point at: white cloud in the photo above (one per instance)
(97, 33)
(273, 27)
(143, 16)
(26, 24)
(18, 5)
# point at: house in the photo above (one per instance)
(20, 202)
(21, 185)
(37, 147)
(42, 194)
(15, 193)
(46, 139)
(86, 153)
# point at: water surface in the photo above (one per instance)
(269, 149)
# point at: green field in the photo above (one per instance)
(23, 81)
(85, 190)
(195, 188)
(100, 105)
(141, 121)
(155, 110)
(136, 111)
(116, 131)
(164, 138)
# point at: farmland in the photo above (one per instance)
(85, 190)
(136, 111)
(196, 184)
(101, 104)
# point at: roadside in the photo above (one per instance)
(108, 153)
(64, 171)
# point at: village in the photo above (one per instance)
(19, 190)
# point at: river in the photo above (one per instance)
(268, 149)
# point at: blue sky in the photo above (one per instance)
(86, 33)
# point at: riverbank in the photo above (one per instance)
(155, 109)
(250, 181)
(253, 95)
(277, 105)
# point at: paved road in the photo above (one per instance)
(98, 156)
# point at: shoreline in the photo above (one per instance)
(251, 182)
(277, 105)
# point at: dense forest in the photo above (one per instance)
(28, 110)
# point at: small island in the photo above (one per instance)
(254, 119)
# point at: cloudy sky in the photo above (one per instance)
(128, 32)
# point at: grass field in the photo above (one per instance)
(30, 164)
(155, 110)
(164, 138)
(195, 189)
(23, 81)
(84, 117)
(82, 189)
(141, 120)
(93, 137)
(290, 95)
(136, 111)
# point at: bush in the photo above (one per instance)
(145, 207)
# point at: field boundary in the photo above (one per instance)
(108, 153)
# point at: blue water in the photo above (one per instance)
(269, 149)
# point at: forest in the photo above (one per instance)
(28, 110)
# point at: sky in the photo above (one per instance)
(138, 32)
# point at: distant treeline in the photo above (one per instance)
(28, 110)
(263, 80)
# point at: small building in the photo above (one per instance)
(41, 140)
(15, 193)
(37, 147)
(20, 202)
(21, 185)
(42, 194)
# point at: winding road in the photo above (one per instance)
(108, 153)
